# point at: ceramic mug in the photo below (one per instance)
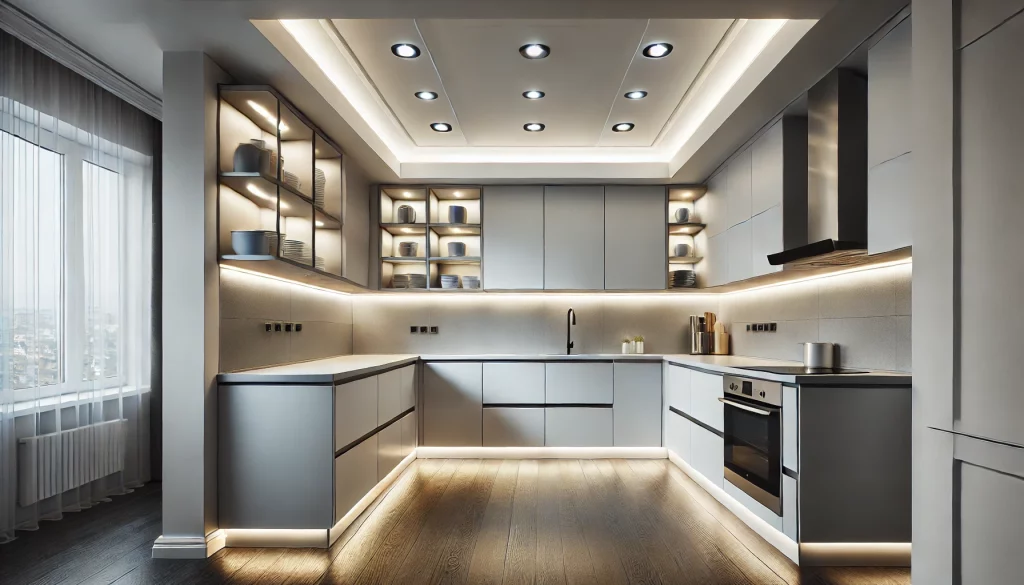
(682, 250)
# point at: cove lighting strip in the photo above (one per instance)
(279, 279)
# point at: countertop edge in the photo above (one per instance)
(319, 378)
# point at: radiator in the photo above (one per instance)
(57, 462)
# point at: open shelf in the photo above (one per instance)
(685, 229)
(404, 229)
(684, 259)
(404, 259)
(686, 192)
(456, 229)
(455, 260)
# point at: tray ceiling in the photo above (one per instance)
(476, 70)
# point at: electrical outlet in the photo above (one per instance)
(423, 328)
(298, 327)
(413, 329)
(269, 327)
(288, 327)
(748, 326)
(277, 327)
(772, 326)
(433, 329)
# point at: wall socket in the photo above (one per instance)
(277, 327)
(762, 327)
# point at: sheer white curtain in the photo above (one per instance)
(76, 216)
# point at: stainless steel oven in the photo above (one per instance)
(753, 439)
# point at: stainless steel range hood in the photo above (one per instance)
(837, 174)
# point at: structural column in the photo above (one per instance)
(191, 320)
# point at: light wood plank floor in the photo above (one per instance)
(457, 521)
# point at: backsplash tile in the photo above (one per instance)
(864, 342)
(871, 293)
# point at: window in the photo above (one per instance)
(31, 262)
(102, 272)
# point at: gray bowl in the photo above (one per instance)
(456, 214)
(250, 242)
(682, 215)
(408, 249)
(456, 249)
(405, 214)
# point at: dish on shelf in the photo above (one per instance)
(682, 216)
(456, 249)
(471, 282)
(252, 242)
(683, 250)
(457, 214)
(449, 281)
(408, 249)
(682, 279)
(405, 214)
(319, 187)
(409, 281)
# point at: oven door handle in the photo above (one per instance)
(759, 411)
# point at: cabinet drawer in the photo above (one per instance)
(408, 389)
(389, 449)
(355, 474)
(355, 410)
(677, 388)
(513, 383)
(707, 454)
(677, 435)
(578, 427)
(513, 427)
(389, 396)
(578, 383)
(409, 433)
(705, 390)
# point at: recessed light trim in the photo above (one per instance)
(657, 50)
(533, 127)
(623, 127)
(405, 50)
(534, 51)
(533, 94)
(441, 127)
(638, 94)
(426, 95)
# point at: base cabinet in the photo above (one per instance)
(452, 404)
(578, 427)
(410, 433)
(513, 427)
(789, 507)
(637, 405)
(389, 449)
(355, 474)
(706, 454)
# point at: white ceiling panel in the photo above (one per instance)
(485, 76)
(397, 80)
(665, 80)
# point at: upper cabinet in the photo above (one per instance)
(281, 189)
(514, 238)
(889, 135)
(574, 238)
(634, 237)
(738, 198)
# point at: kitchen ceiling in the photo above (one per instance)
(475, 68)
(481, 125)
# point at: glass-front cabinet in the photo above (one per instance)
(281, 186)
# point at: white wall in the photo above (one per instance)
(867, 313)
(249, 301)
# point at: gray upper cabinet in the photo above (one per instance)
(574, 238)
(634, 237)
(889, 96)
(711, 207)
(513, 237)
(738, 200)
(739, 250)
(766, 171)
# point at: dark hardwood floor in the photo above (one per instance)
(456, 521)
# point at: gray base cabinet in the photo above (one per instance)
(513, 383)
(513, 427)
(389, 449)
(677, 435)
(409, 433)
(578, 427)
(575, 383)
(706, 452)
(355, 474)
(637, 410)
(452, 404)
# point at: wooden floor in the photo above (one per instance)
(456, 521)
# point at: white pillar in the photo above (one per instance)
(191, 320)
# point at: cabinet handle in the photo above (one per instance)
(745, 407)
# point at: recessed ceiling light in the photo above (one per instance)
(406, 230)
(534, 51)
(457, 193)
(657, 50)
(406, 194)
(622, 127)
(533, 94)
(441, 127)
(319, 223)
(405, 50)
(426, 95)
(636, 95)
(533, 127)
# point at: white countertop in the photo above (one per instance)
(342, 368)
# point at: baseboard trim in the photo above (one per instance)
(855, 554)
(364, 503)
(188, 547)
(541, 452)
(275, 537)
(783, 543)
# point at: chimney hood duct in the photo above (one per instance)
(837, 174)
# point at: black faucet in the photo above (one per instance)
(570, 320)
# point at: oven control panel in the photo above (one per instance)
(757, 390)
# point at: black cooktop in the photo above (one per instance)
(800, 370)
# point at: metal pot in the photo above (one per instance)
(456, 249)
(819, 354)
(408, 249)
(456, 214)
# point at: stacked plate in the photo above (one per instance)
(471, 282)
(449, 281)
(319, 187)
(292, 180)
(409, 281)
(318, 263)
(296, 250)
(682, 279)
